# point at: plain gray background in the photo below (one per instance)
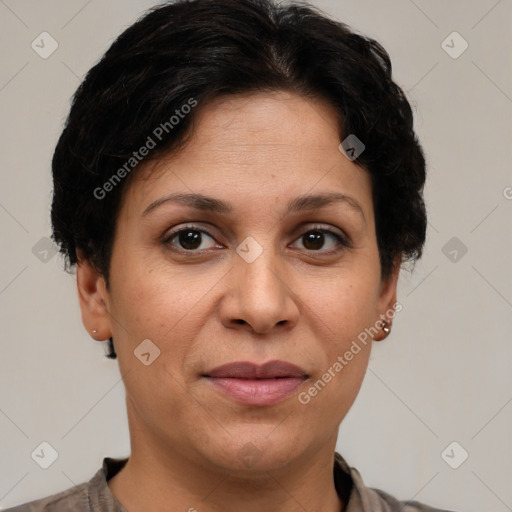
(444, 373)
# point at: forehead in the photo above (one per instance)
(267, 117)
(255, 145)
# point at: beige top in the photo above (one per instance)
(95, 495)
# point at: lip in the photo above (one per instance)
(248, 370)
(254, 384)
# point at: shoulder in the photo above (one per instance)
(366, 499)
(91, 496)
(71, 499)
(388, 503)
(75, 498)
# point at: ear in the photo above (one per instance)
(387, 300)
(93, 298)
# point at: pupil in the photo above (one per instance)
(190, 239)
(316, 238)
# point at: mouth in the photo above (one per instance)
(257, 385)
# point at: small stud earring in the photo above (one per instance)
(385, 328)
(94, 331)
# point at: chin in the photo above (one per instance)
(256, 453)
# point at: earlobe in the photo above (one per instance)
(93, 299)
(387, 302)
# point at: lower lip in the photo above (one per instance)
(257, 391)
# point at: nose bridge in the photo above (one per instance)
(261, 296)
(259, 266)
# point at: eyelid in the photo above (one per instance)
(192, 227)
(326, 228)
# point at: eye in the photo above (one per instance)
(188, 239)
(314, 239)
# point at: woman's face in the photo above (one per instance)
(276, 273)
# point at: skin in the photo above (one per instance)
(295, 303)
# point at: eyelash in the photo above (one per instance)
(344, 242)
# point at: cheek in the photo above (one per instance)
(159, 397)
(330, 395)
(150, 302)
(347, 310)
(343, 347)
(348, 304)
(170, 311)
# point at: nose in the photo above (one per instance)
(260, 297)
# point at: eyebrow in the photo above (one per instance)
(301, 203)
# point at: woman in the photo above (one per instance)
(238, 184)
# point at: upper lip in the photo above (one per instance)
(248, 370)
